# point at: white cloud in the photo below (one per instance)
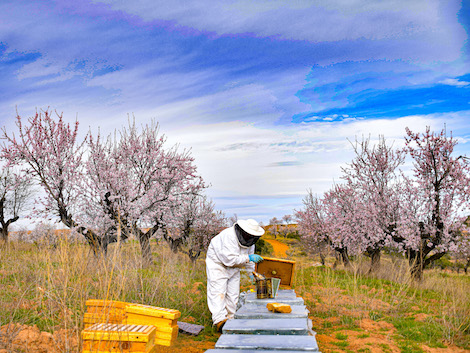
(39, 68)
(239, 159)
(454, 82)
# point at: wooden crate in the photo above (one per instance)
(105, 307)
(89, 319)
(164, 320)
(113, 338)
(278, 268)
(152, 311)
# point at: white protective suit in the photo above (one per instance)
(225, 257)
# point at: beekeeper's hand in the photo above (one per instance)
(252, 279)
(255, 258)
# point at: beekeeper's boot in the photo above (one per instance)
(220, 325)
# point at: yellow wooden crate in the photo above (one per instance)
(113, 338)
(90, 319)
(105, 307)
(152, 311)
(153, 350)
(171, 334)
(166, 343)
(138, 319)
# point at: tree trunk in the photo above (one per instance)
(322, 257)
(344, 257)
(337, 259)
(145, 249)
(415, 260)
(374, 260)
(193, 255)
(4, 235)
(175, 244)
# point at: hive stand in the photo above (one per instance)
(255, 329)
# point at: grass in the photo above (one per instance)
(434, 313)
(351, 311)
(48, 287)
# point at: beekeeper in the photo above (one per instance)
(228, 252)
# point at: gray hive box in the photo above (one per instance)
(268, 342)
(254, 311)
(267, 327)
(222, 350)
(286, 296)
(290, 301)
(281, 294)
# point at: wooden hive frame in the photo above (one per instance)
(278, 268)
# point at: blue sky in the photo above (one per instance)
(266, 93)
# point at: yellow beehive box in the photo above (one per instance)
(151, 315)
(90, 319)
(113, 338)
(152, 311)
(105, 306)
(138, 319)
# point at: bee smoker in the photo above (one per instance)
(264, 287)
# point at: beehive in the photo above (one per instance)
(89, 319)
(277, 268)
(113, 338)
(164, 320)
(105, 307)
(104, 311)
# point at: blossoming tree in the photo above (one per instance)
(138, 185)
(330, 219)
(49, 151)
(373, 174)
(15, 192)
(434, 199)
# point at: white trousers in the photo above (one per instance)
(223, 290)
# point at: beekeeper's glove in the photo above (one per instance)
(255, 258)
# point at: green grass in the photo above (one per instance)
(390, 297)
(417, 331)
(341, 344)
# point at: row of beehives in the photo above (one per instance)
(113, 326)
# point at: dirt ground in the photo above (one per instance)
(22, 338)
(278, 248)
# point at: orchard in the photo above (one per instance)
(379, 207)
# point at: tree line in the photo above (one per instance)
(380, 205)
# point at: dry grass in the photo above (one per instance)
(48, 287)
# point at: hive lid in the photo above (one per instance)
(154, 311)
(106, 303)
(118, 332)
(277, 268)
